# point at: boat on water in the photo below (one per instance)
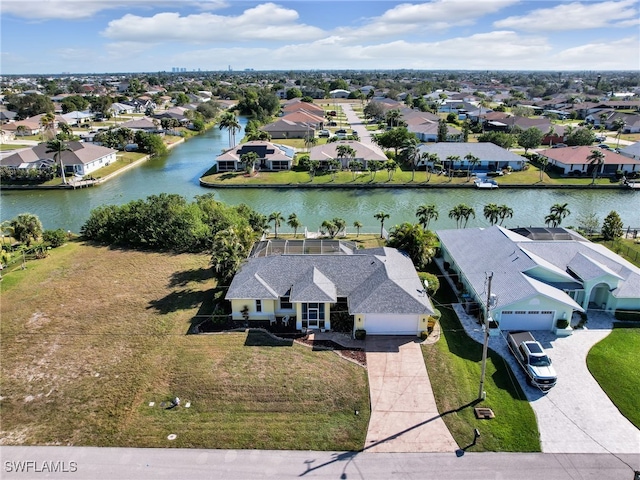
(485, 183)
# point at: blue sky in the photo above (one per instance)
(99, 36)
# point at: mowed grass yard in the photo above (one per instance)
(618, 352)
(90, 336)
(454, 366)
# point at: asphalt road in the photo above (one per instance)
(150, 464)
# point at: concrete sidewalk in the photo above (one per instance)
(404, 416)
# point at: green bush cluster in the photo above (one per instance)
(627, 315)
(54, 238)
(361, 334)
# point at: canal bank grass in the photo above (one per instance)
(613, 363)
(91, 335)
(454, 366)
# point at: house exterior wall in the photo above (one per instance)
(267, 313)
(537, 303)
(597, 291)
(624, 303)
(88, 168)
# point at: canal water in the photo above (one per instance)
(179, 171)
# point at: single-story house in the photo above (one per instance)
(379, 287)
(574, 159)
(491, 157)
(296, 104)
(82, 159)
(304, 117)
(540, 275)
(283, 128)
(77, 118)
(427, 131)
(363, 153)
(270, 156)
(631, 151)
(143, 124)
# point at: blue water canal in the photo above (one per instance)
(179, 171)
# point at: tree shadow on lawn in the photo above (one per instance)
(180, 300)
(181, 279)
(257, 338)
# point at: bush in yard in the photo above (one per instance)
(424, 334)
(430, 281)
(361, 334)
(628, 315)
(54, 238)
(562, 323)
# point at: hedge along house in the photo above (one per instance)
(301, 282)
(539, 278)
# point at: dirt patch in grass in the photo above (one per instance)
(91, 335)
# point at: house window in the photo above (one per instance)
(285, 301)
(258, 305)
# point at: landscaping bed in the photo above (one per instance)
(357, 355)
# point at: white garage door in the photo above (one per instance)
(526, 320)
(393, 324)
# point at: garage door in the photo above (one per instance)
(526, 320)
(393, 324)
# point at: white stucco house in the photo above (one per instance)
(81, 159)
(271, 156)
(490, 156)
(540, 275)
(302, 281)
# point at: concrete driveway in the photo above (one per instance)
(404, 417)
(575, 416)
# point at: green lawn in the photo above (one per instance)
(614, 364)
(81, 368)
(454, 366)
(11, 146)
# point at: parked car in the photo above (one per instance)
(559, 145)
(341, 133)
(332, 124)
(324, 134)
(604, 146)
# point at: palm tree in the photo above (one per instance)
(355, 166)
(340, 224)
(230, 122)
(48, 122)
(330, 227)
(277, 219)
(505, 212)
(425, 214)
(381, 217)
(294, 222)
(344, 151)
(357, 225)
(472, 161)
(430, 158)
(57, 146)
(544, 161)
(559, 211)
(26, 228)
(461, 213)
(310, 140)
(417, 243)
(552, 220)
(596, 159)
(452, 159)
(229, 251)
(492, 213)
(334, 166)
(249, 159)
(390, 166)
(618, 126)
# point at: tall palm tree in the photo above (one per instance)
(57, 146)
(492, 213)
(310, 140)
(357, 225)
(552, 220)
(230, 123)
(381, 217)
(559, 211)
(277, 219)
(544, 161)
(426, 213)
(344, 151)
(461, 213)
(472, 162)
(417, 243)
(505, 211)
(48, 122)
(618, 126)
(294, 222)
(452, 159)
(432, 158)
(390, 166)
(355, 166)
(596, 159)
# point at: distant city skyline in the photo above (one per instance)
(104, 36)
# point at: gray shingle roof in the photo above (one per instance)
(484, 151)
(380, 280)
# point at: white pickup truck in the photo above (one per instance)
(533, 360)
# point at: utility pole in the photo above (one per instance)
(482, 394)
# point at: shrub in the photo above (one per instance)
(430, 281)
(628, 315)
(424, 334)
(562, 323)
(361, 334)
(54, 238)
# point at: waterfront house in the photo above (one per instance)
(364, 153)
(490, 157)
(574, 160)
(271, 156)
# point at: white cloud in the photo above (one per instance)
(266, 22)
(574, 16)
(450, 12)
(82, 9)
(614, 55)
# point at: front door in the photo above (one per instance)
(313, 314)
